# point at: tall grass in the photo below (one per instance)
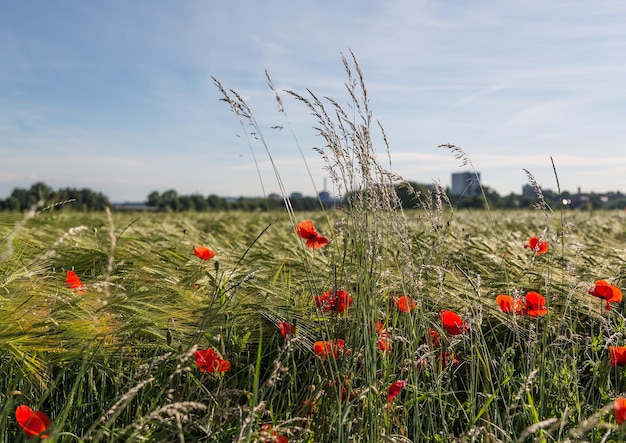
(117, 363)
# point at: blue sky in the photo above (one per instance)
(117, 96)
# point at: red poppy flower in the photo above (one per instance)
(405, 303)
(535, 305)
(607, 291)
(509, 304)
(384, 342)
(286, 329)
(32, 422)
(538, 246)
(452, 322)
(330, 348)
(208, 360)
(335, 300)
(73, 282)
(203, 252)
(619, 409)
(306, 230)
(394, 389)
(618, 355)
(274, 437)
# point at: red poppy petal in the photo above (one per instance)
(32, 422)
(344, 300)
(405, 303)
(326, 302)
(319, 348)
(379, 326)
(535, 300)
(539, 246)
(203, 252)
(601, 289)
(334, 348)
(223, 366)
(23, 413)
(506, 303)
(306, 230)
(618, 355)
(72, 281)
(536, 312)
(317, 241)
(394, 389)
(207, 360)
(616, 295)
(619, 409)
(384, 342)
(452, 322)
(286, 329)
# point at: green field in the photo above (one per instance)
(117, 364)
(391, 332)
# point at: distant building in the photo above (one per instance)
(466, 183)
(528, 191)
(326, 197)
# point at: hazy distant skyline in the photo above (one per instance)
(117, 96)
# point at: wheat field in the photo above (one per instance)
(365, 323)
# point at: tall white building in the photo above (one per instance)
(466, 183)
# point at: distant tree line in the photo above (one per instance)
(170, 200)
(588, 201)
(41, 195)
(414, 195)
(411, 195)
